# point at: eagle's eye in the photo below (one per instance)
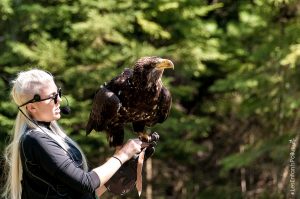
(149, 66)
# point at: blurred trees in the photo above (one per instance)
(235, 85)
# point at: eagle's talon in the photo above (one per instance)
(144, 137)
(154, 137)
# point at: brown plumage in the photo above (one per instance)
(135, 96)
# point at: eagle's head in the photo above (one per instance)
(148, 70)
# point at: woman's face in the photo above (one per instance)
(46, 110)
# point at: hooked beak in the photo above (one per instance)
(164, 64)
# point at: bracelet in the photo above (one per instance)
(118, 159)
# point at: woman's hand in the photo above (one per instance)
(129, 149)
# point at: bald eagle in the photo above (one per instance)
(135, 96)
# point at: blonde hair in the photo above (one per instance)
(25, 86)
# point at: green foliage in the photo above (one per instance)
(43, 52)
(5, 9)
(252, 152)
(235, 86)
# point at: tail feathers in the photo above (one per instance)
(94, 125)
(89, 127)
(115, 139)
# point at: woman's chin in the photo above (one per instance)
(57, 116)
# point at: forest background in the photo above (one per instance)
(233, 130)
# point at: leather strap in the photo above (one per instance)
(139, 183)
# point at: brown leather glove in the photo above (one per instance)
(124, 179)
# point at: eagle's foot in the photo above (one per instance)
(144, 137)
(154, 137)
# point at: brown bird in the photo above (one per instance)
(136, 96)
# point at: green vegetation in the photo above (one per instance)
(235, 87)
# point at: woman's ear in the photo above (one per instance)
(31, 108)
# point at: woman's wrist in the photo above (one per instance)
(121, 156)
(118, 159)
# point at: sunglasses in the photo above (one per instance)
(37, 98)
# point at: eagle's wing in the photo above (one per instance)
(105, 107)
(164, 105)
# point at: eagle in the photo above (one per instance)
(135, 96)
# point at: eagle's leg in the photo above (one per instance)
(144, 137)
(138, 128)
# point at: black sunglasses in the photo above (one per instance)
(37, 98)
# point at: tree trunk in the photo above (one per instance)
(149, 178)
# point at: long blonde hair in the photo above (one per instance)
(24, 87)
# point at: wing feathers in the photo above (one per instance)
(105, 107)
(164, 105)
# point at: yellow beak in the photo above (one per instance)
(164, 63)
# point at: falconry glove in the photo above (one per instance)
(125, 178)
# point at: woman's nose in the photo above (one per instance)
(59, 99)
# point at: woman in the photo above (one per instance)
(43, 162)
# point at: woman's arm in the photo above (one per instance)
(100, 190)
(60, 166)
(108, 169)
